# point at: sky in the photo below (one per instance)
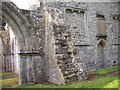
(24, 4)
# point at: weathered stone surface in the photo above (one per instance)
(65, 36)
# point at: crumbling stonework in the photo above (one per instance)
(61, 56)
(82, 21)
(59, 42)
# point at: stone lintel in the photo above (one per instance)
(100, 15)
(77, 10)
(30, 53)
(101, 36)
(8, 54)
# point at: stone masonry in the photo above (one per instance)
(59, 42)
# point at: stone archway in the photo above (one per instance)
(11, 15)
(28, 29)
(15, 20)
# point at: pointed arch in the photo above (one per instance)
(19, 24)
(12, 15)
(100, 54)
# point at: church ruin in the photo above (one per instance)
(60, 41)
(8, 55)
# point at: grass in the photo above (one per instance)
(6, 74)
(107, 70)
(113, 84)
(102, 81)
(99, 82)
(9, 82)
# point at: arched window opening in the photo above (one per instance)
(100, 55)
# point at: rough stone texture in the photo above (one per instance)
(61, 49)
(53, 73)
(81, 20)
(59, 42)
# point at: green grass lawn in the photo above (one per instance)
(9, 82)
(107, 70)
(103, 80)
(7, 73)
(100, 82)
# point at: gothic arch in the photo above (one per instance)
(16, 20)
(19, 24)
(101, 40)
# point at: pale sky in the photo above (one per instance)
(24, 4)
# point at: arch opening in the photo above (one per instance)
(9, 66)
(11, 15)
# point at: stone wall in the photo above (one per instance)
(60, 50)
(59, 42)
(53, 73)
(33, 70)
(81, 20)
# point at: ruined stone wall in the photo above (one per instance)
(60, 50)
(81, 20)
(53, 73)
(48, 39)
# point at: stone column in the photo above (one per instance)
(23, 69)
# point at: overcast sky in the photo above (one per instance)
(24, 4)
